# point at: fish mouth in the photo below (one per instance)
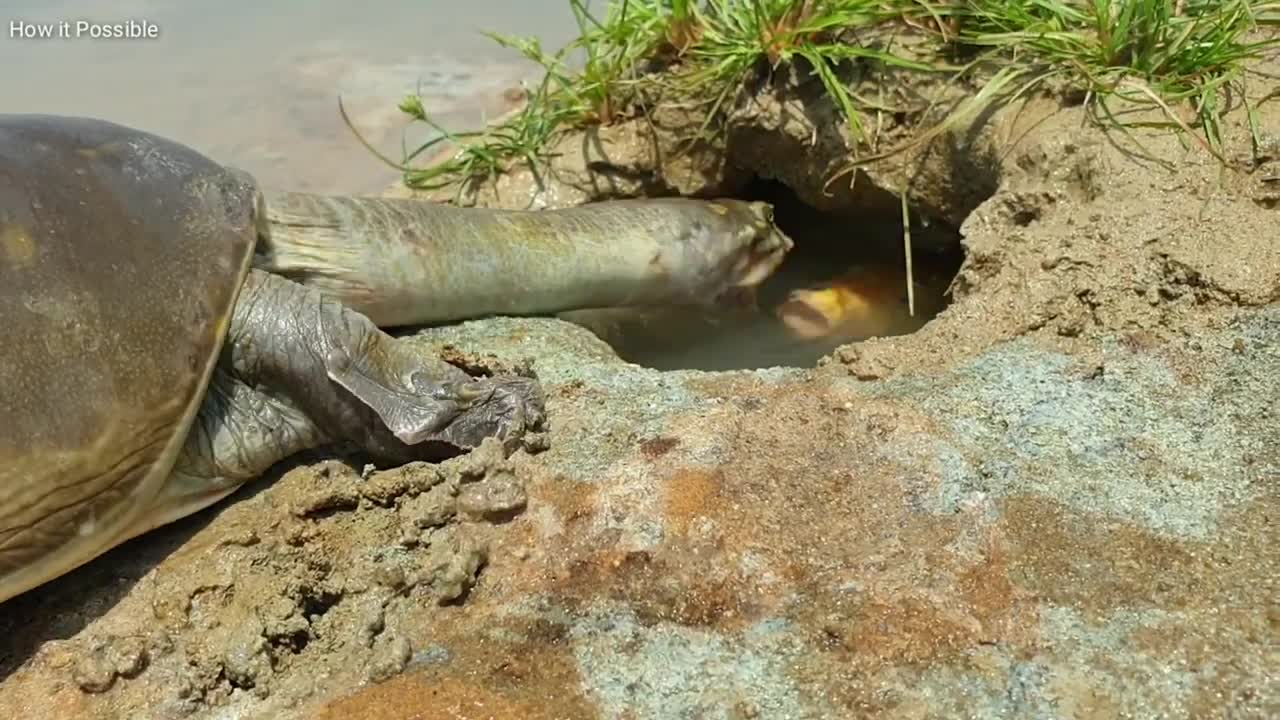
(809, 314)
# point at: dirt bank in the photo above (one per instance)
(1055, 500)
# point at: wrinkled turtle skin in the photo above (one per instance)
(122, 259)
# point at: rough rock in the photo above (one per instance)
(1021, 535)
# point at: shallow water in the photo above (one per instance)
(743, 338)
(255, 83)
(861, 253)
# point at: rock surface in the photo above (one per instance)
(1058, 499)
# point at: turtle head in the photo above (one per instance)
(766, 246)
(746, 246)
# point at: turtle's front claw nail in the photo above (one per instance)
(469, 393)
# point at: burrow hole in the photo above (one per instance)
(845, 281)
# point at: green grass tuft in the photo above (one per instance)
(1181, 56)
(1146, 52)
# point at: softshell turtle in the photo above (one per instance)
(170, 331)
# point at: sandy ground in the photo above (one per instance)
(1055, 500)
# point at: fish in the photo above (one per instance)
(861, 303)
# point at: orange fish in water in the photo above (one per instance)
(861, 303)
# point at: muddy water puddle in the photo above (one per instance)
(256, 84)
(845, 281)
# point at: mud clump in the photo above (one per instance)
(314, 579)
(390, 657)
(108, 659)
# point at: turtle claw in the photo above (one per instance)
(511, 407)
(447, 405)
(463, 392)
(461, 414)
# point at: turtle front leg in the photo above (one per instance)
(237, 435)
(299, 371)
(358, 384)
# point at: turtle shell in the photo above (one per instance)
(121, 258)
